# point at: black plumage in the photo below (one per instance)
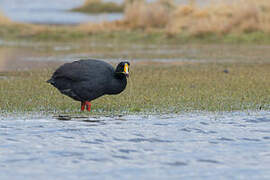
(86, 80)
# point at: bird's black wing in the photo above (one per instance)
(84, 79)
(79, 70)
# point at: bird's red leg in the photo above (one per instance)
(83, 106)
(88, 106)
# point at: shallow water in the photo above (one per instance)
(51, 12)
(25, 55)
(57, 11)
(189, 145)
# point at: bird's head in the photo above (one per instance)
(123, 68)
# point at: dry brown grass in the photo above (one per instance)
(140, 14)
(4, 19)
(241, 16)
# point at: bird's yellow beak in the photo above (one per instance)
(126, 69)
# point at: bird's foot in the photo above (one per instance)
(83, 106)
(88, 106)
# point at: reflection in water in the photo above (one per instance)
(12, 59)
(79, 118)
(136, 146)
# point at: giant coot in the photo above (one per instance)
(86, 80)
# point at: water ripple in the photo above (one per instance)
(151, 140)
(127, 151)
(250, 139)
(208, 161)
(177, 146)
(178, 163)
(225, 139)
(258, 120)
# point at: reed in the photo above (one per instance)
(242, 16)
(222, 17)
(143, 15)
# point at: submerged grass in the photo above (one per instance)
(152, 87)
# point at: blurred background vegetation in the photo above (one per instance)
(162, 18)
(185, 56)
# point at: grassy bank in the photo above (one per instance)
(98, 6)
(152, 87)
(117, 35)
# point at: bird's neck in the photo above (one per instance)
(118, 83)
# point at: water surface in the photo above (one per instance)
(51, 12)
(175, 146)
(57, 11)
(25, 55)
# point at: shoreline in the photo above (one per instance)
(66, 116)
(96, 33)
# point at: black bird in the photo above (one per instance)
(86, 80)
